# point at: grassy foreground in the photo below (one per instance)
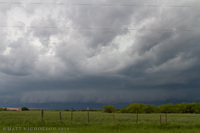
(30, 121)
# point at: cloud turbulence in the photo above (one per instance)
(64, 53)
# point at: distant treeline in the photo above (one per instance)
(83, 110)
(15, 109)
(165, 108)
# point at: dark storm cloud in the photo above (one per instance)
(49, 59)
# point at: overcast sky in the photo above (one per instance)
(99, 53)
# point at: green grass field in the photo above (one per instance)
(30, 121)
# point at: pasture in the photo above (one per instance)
(31, 121)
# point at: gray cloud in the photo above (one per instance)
(60, 63)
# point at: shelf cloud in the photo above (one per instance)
(75, 51)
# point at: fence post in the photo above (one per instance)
(42, 114)
(88, 110)
(166, 117)
(160, 119)
(137, 117)
(60, 117)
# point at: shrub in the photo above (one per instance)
(25, 109)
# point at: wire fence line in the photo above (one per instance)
(106, 5)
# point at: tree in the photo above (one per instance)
(150, 108)
(170, 108)
(136, 108)
(190, 107)
(166, 108)
(182, 108)
(197, 108)
(25, 109)
(123, 110)
(109, 109)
